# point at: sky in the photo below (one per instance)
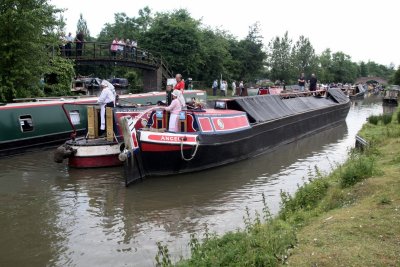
(365, 30)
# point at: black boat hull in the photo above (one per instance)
(216, 149)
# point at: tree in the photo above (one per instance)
(176, 36)
(343, 69)
(303, 57)
(279, 60)
(325, 66)
(396, 79)
(27, 35)
(363, 69)
(81, 26)
(252, 54)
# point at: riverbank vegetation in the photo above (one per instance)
(30, 32)
(349, 217)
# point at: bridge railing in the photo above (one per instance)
(103, 51)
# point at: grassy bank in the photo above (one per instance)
(350, 217)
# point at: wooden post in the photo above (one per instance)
(109, 124)
(91, 125)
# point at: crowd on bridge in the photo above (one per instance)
(120, 48)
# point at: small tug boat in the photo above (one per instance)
(93, 150)
(235, 129)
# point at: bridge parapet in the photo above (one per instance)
(98, 53)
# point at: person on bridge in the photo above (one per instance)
(79, 39)
(68, 45)
(106, 99)
(114, 47)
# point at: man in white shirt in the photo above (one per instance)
(68, 45)
(106, 99)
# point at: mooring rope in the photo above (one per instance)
(194, 153)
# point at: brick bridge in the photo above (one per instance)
(363, 80)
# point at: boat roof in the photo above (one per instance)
(36, 102)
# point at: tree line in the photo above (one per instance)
(31, 29)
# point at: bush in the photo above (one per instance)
(359, 168)
(373, 119)
(306, 197)
(387, 118)
(398, 117)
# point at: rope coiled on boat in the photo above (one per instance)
(191, 156)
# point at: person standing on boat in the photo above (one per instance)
(233, 88)
(106, 99)
(313, 83)
(175, 108)
(302, 82)
(169, 94)
(180, 84)
(214, 87)
(241, 88)
(223, 88)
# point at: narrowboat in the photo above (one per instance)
(391, 96)
(50, 121)
(235, 129)
(356, 92)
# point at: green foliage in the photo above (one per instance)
(175, 36)
(360, 166)
(279, 62)
(27, 35)
(58, 77)
(387, 118)
(134, 80)
(263, 245)
(398, 117)
(396, 77)
(306, 197)
(373, 119)
(303, 56)
(81, 26)
(163, 257)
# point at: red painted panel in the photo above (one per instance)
(94, 162)
(205, 124)
(230, 123)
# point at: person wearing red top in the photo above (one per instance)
(180, 84)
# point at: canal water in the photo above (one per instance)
(54, 216)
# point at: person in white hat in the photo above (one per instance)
(106, 99)
(174, 109)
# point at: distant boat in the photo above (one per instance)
(391, 96)
(357, 91)
(235, 129)
(49, 121)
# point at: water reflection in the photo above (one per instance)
(60, 216)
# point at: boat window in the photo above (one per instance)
(220, 105)
(26, 123)
(75, 118)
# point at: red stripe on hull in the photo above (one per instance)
(95, 161)
(149, 147)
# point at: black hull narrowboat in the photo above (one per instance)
(241, 128)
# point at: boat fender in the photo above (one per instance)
(63, 152)
(123, 156)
